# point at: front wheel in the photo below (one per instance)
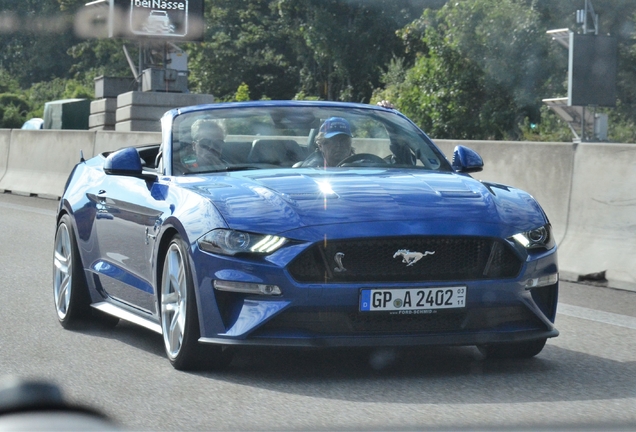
(70, 292)
(514, 350)
(179, 315)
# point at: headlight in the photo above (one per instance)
(230, 242)
(537, 238)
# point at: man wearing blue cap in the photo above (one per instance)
(333, 142)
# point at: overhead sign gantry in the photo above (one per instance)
(176, 20)
(157, 25)
(592, 76)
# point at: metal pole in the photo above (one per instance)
(141, 66)
(111, 18)
(594, 134)
(583, 124)
(165, 64)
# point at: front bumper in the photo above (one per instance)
(324, 315)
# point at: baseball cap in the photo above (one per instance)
(335, 126)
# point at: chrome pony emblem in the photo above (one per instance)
(338, 259)
(409, 258)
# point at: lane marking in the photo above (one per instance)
(27, 209)
(597, 316)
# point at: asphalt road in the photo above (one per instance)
(586, 376)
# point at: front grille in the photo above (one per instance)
(379, 260)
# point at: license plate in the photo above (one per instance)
(412, 299)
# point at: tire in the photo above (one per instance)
(516, 350)
(179, 315)
(70, 292)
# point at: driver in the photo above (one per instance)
(208, 138)
(333, 142)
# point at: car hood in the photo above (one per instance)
(276, 201)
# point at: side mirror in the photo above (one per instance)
(466, 160)
(123, 162)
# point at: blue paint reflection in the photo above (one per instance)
(253, 313)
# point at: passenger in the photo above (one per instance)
(401, 154)
(333, 144)
(208, 138)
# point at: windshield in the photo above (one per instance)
(320, 137)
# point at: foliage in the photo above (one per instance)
(622, 124)
(34, 49)
(342, 45)
(43, 92)
(329, 49)
(8, 99)
(481, 70)
(551, 128)
(301, 96)
(13, 110)
(100, 57)
(11, 117)
(242, 93)
(7, 82)
(244, 42)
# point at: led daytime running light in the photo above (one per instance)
(268, 244)
(523, 240)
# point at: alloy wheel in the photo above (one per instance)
(174, 292)
(62, 271)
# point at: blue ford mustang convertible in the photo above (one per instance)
(302, 224)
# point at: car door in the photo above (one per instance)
(129, 212)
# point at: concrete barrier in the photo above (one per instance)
(601, 230)
(108, 141)
(542, 169)
(5, 140)
(40, 161)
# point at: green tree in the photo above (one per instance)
(330, 49)
(244, 42)
(481, 70)
(342, 46)
(96, 57)
(242, 93)
(35, 41)
(13, 110)
(8, 84)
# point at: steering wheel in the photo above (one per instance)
(360, 158)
